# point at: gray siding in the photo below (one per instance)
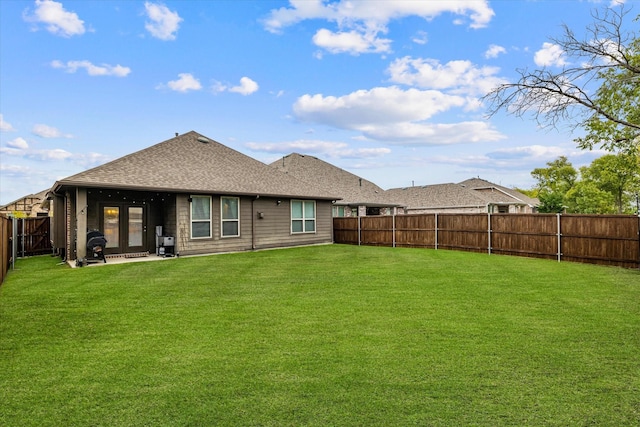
(269, 230)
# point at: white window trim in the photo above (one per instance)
(303, 219)
(191, 220)
(222, 220)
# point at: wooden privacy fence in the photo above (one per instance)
(595, 239)
(32, 237)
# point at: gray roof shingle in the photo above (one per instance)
(352, 189)
(193, 163)
(437, 196)
(497, 193)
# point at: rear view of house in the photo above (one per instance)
(188, 195)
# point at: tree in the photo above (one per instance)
(551, 203)
(554, 182)
(598, 88)
(608, 185)
(616, 175)
(558, 177)
(585, 197)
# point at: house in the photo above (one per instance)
(470, 196)
(358, 197)
(27, 207)
(502, 199)
(188, 195)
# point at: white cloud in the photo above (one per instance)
(45, 131)
(92, 70)
(378, 105)
(18, 143)
(394, 115)
(417, 133)
(359, 23)
(54, 154)
(185, 83)
(5, 126)
(246, 87)
(163, 23)
(352, 42)
(42, 155)
(494, 51)
(331, 149)
(56, 19)
(420, 38)
(549, 55)
(458, 77)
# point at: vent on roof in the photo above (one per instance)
(203, 140)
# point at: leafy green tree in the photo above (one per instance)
(558, 177)
(551, 203)
(598, 89)
(608, 185)
(585, 197)
(617, 175)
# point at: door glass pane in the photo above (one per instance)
(111, 226)
(135, 226)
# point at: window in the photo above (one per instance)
(200, 217)
(303, 216)
(230, 214)
(338, 211)
(111, 226)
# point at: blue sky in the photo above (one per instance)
(388, 90)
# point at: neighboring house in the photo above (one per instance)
(206, 198)
(358, 197)
(502, 199)
(439, 198)
(470, 196)
(27, 207)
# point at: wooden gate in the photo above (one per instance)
(34, 236)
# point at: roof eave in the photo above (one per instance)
(60, 185)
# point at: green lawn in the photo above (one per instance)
(324, 336)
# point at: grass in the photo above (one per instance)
(321, 336)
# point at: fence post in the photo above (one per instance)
(393, 231)
(559, 237)
(436, 229)
(489, 231)
(359, 230)
(14, 242)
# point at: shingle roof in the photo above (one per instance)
(437, 196)
(352, 189)
(497, 193)
(193, 163)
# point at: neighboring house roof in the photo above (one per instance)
(352, 189)
(499, 194)
(440, 196)
(193, 163)
(30, 204)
